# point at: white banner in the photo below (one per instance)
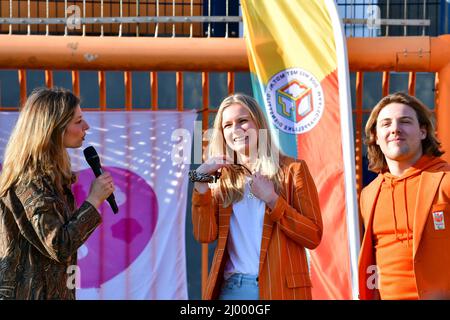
(138, 253)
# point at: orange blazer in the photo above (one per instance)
(431, 248)
(294, 224)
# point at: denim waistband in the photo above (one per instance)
(240, 278)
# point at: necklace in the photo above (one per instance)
(249, 183)
(250, 193)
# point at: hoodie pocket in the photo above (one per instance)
(439, 221)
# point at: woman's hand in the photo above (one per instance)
(211, 166)
(262, 188)
(101, 188)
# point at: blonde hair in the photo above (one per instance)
(36, 146)
(430, 145)
(230, 186)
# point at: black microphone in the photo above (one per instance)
(93, 160)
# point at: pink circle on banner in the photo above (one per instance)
(121, 237)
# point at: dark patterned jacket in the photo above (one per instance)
(40, 233)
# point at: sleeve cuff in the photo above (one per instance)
(201, 199)
(89, 215)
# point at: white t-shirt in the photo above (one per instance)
(244, 239)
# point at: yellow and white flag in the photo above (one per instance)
(299, 72)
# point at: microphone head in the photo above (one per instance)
(91, 156)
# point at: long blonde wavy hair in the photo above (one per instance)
(230, 187)
(35, 146)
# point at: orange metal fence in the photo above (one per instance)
(410, 54)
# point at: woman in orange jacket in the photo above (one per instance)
(263, 210)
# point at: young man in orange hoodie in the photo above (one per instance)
(405, 253)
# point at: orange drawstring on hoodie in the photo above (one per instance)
(406, 210)
(391, 187)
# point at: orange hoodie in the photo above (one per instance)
(392, 231)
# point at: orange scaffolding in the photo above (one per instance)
(409, 54)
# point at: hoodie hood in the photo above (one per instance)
(425, 163)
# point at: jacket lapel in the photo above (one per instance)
(428, 186)
(224, 225)
(366, 256)
(266, 235)
(371, 193)
(268, 222)
(370, 198)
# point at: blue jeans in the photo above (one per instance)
(240, 287)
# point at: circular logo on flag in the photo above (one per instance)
(294, 100)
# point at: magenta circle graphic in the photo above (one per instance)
(121, 237)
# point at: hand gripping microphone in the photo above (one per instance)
(93, 160)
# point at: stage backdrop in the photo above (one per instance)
(299, 74)
(138, 253)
